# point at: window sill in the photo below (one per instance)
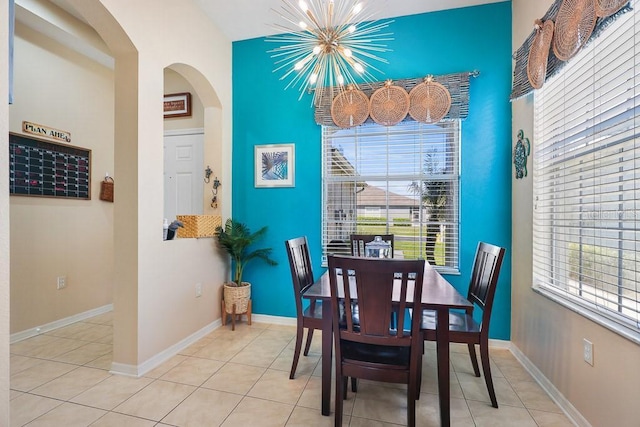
(628, 332)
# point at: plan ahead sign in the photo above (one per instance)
(46, 131)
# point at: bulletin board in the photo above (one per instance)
(38, 167)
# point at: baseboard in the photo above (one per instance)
(500, 344)
(163, 356)
(29, 333)
(276, 320)
(569, 410)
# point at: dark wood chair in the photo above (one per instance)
(358, 242)
(372, 349)
(462, 327)
(302, 277)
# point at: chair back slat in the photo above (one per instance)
(358, 242)
(484, 278)
(378, 288)
(300, 266)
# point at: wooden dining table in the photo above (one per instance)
(437, 294)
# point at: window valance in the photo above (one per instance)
(521, 85)
(457, 84)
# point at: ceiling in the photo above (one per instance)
(246, 19)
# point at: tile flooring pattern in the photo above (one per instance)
(241, 378)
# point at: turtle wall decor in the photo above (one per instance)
(520, 153)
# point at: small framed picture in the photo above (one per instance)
(274, 165)
(177, 105)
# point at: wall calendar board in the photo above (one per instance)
(42, 168)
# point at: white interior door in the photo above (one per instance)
(183, 173)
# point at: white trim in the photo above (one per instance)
(563, 403)
(29, 333)
(274, 320)
(192, 131)
(163, 356)
(506, 345)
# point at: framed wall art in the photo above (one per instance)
(177, 105)
(274, 165)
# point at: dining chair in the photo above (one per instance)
(358, 242)
(302, 277)
(372, 349)
(462, 326)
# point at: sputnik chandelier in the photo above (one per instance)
(327, 45)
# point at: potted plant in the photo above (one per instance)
(236, 238)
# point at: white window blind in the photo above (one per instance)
(401, 180)
(587, 180)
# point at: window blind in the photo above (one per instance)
(401, 180)
(587, 179)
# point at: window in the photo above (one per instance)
(587, 181)
(400, 180)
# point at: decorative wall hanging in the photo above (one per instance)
(350, 108)
(457, 85)
(521, 85)
(46, 131)
(329, 45)
(539, 53)
(520, 153)
(574, 25)
(106, 189)
(429, 101)
(389, 105)
(606, 8)
(177, 105)
(274, 165)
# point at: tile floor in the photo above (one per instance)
(241, 378)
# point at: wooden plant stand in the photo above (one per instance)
(235, 315)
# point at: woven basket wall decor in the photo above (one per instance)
(350, 108)
(389, 104)
(106, 189)
(539, 53)
(606, 8)
(429, 101)
(575, 22)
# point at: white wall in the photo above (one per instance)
(154, 294)
(52, 237)
(548, 334)
(4, 221)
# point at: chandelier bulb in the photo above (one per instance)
(302, 25)
(347, 52)
(352, 28)
(340, 79)
(313, 78)
(303, 5)
(317, 49)
(358, 67)
(357, 8)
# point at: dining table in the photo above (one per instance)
(437, 294)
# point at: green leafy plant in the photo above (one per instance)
(236, 238)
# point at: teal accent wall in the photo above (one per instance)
(452, 41)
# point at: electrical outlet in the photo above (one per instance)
(588, 351)
(61, 282)
(198, 290)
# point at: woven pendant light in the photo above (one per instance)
(575, 22)
(606, 8)
(429, 101)
(389, 105)
(539, 54)
(350, 108)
